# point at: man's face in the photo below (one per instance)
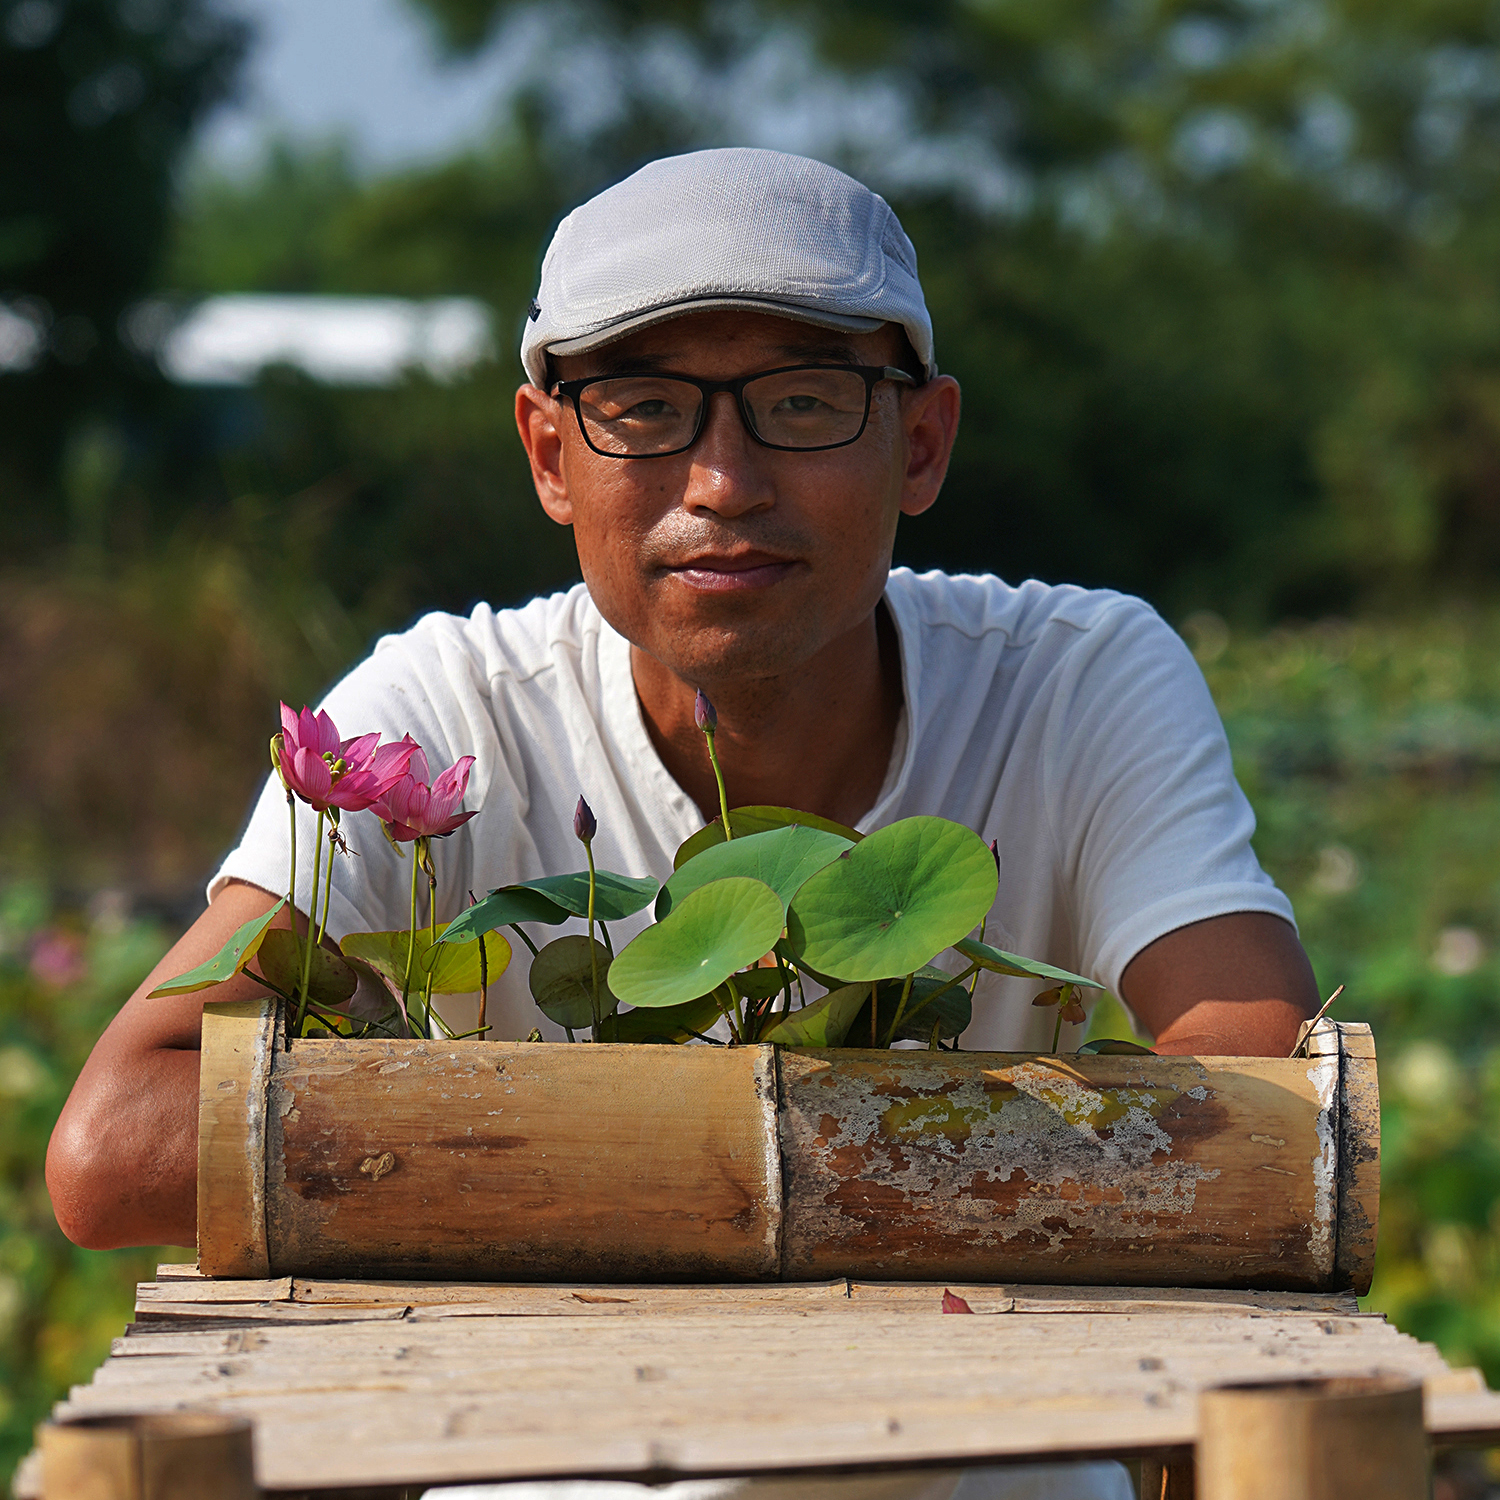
(732, 560)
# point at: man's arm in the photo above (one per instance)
(122, 1166)
(1237, 985)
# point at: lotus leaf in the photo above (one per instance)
(952, 1010)
(330, 980)
(781, 857)
(1000, 962)
(454, 967)
(707, 936)
(562, 981)
(671, 1023)
(893, 901)
(747, 821)
(824, 1023)
(511, 903)
(227, 962)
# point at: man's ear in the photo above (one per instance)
(930, 415)
(539, 420)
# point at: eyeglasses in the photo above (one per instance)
(800, 409)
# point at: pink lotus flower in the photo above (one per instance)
(326, 771)
(412, 809)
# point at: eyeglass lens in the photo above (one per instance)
(644, 414)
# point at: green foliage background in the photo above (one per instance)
(1218, 278)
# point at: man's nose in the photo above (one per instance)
(727, 472)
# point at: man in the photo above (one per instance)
(732, 398)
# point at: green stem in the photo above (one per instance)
(727, 1011)
(609, 947)
(936, 1037)
(1057, 1030)
(327, 884)
(411, 942)
(291, 883)
(743, 1029)
(942, 990)
(432, 936)
(515, 927)
(569, 1030)
(890, 1036)
(874, 1012)
(312, 908)
(588, 849)
(713, 760)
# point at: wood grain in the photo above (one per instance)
(491, 1160)
(235, 1066)
(1144, 1170)
(747, 1378)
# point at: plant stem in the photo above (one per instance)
(609, 947)
(291, 883)
(411, 945)
(588, 849)
(890, 1036)
(1057, 1030)
(432, 935)
(942, 990)
(936, 1037)
(874, 1011)
(327, 884)
(713, 760)
(312, 908)
(515, 927)
(743, 1029)
(569, 1030)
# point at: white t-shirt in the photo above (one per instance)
(1073, 726)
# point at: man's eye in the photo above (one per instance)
(648, 411)
(801, 405)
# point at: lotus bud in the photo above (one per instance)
(585, 825)
(995, 853)
(1050, 997)
(278, 740)
(703, 713)
(953, 1303)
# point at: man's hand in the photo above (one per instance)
(122, 1166)
(1236, 985)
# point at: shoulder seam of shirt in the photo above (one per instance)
(1121, 602)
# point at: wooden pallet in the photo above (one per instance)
(370, 1386)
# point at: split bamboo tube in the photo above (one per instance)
(516, 1161)
(1358, 1438)
(161, 1456)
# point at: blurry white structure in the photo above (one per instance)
(22, 337)
(371, 341)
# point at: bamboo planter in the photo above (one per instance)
(540, 1162)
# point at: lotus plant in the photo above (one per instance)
(786, 926)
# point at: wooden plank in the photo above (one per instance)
(524, 1161)
(238, 1042)
(493, 1390)
(1121, 1170)
(262, 1289)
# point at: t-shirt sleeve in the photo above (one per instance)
(1152, 831)
(427, 683)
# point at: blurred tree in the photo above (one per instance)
(1215, 273)
(98, 98)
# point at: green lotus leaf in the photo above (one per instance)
(824, 1023)
(511, 903)
(562, 981)
(330, 980)
(781, 857)
(455, 967)
(758, 984)
(615, 896)
(226, 963)
(707, 936)
(671, 1023)
(999, 962)
(1106, 1046)
(893, 901)
(746, 821)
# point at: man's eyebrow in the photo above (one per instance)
(831, 352)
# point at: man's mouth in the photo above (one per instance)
(723, 573)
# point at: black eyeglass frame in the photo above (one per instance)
(571, 390)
